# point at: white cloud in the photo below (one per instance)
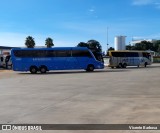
(153, 36)
(157, 4)
(91, 10)
(142, 2)
(154, 3)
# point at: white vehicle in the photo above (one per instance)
(122, 59)
(5, 59)
(1, 60)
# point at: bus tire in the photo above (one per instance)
(33, 69)
(90, 68)
(120, 65)
(43, 69)
(124, 65)
(145, 64)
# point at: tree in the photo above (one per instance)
(157, 46)
(130, 47)
(83, 44)
(144, 45)
(49, 42)
(30, 43)
(109, 49)
(94, 46)
(158, 50)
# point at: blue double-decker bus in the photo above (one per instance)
(60, 58)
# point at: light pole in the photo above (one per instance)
(107, 39)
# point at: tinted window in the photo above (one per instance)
(29, 53)
(132, 54)
(147, 55)
(41, 53)
(81, 53)
(125, 54)
(135, 54)
(51, 53)
(62, 53)
(118, 54)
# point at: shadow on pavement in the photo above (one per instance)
(77, 72)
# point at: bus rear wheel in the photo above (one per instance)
(43, 69)
(33, 69)
(119, 65)
(90, 68)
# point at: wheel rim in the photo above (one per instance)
(43, 70)
(120, 65)
(33, 70)
(124, 65)
(90, 68)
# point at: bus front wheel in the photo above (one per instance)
(90, 68)
(33, 69)
(124, 65)
(43, 69)
(119, 65)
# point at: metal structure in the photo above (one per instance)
(120, 43)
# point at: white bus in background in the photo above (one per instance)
(1, 60)
(122, 59)
(5, 59)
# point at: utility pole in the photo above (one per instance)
(107, 39)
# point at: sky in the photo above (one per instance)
(69, 22)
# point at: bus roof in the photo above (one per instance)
(54, 48)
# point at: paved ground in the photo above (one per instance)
(109, 96)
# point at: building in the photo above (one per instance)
(5, 50)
